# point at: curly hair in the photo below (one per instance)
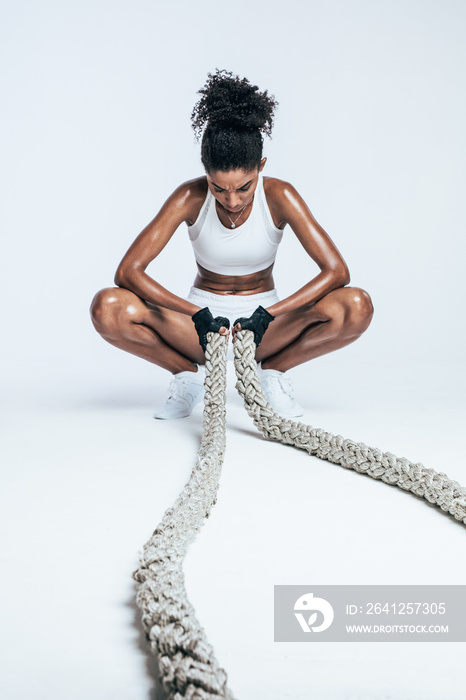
(233, 115)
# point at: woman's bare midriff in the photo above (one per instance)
(254, 283)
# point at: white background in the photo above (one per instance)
(96, 104)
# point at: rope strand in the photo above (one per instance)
(435, 487)
(187, 664)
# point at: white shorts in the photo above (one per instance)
(232, 306)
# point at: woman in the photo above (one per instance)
(235, 220)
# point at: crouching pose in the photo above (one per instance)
(235, 217)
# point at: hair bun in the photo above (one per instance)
(230, 102)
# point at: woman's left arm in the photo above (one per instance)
(288, 207)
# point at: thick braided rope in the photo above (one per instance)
(435, 487)
(187, 664)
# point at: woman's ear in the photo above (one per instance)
(263, 162)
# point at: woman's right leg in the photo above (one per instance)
(164, 337)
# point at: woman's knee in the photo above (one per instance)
(110, 307)
(359, 309)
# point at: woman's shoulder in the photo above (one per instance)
(273, 187)
(279, 194)
(191, 196)
(194, 189)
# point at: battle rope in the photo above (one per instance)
(433, 486)
(187, 664)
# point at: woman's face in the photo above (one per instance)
(233, 189)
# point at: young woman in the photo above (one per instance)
(235, 218)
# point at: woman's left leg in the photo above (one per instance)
(334, 321)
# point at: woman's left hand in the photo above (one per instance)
(257, 322)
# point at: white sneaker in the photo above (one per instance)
(278, 391)
(185, 391)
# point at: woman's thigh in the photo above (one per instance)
(338, 305)
(176, 329)
(116, 311)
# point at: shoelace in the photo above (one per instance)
(278, 385)
(177, 388)
(286, 386)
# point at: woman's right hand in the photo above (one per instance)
(205, 322)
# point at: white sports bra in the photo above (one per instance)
(248, 248)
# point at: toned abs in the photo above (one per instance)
(254, 283)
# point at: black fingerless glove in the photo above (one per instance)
(205, 322)
(257, 322)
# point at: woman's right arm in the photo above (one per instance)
(182, 205)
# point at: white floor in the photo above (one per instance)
(88, 474)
